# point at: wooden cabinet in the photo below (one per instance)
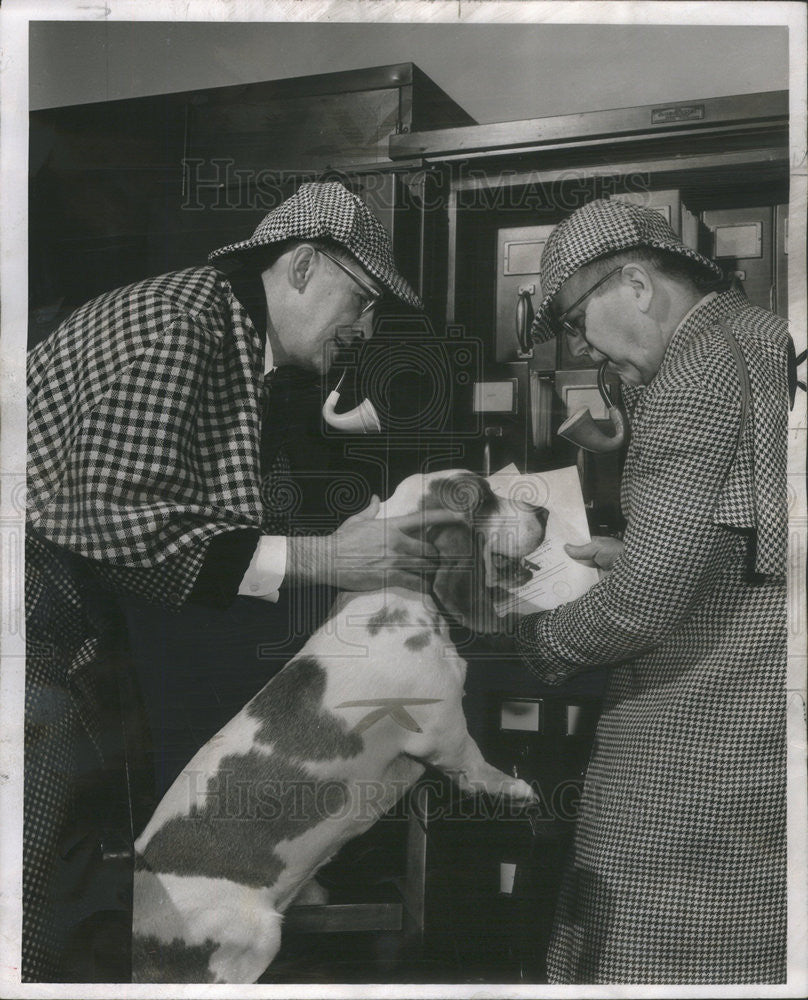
(122, 190)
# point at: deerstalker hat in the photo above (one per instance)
(329, 211)
(601, 227)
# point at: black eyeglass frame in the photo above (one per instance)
(372, 294)
(564, 325)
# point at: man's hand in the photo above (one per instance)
(366, 553)
(601, 552)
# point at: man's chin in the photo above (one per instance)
(322, 363)
(628, 376)
(337, 353)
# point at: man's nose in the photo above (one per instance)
(578, 347)
(352, 333)
(364, 325)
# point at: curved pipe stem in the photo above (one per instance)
(582, 430)
(362, 419)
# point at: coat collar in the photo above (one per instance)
(708, 311)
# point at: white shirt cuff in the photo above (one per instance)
(267, 569)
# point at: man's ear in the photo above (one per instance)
(638, 279)
(299, 267)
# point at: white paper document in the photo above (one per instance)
(556, 577)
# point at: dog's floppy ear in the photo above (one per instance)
(457, 576)
(460, 581)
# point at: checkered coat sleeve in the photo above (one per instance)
(144, 411)
(678, 871)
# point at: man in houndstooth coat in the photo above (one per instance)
(157, 478)
(678, 873)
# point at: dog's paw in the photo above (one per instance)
(516, 788)
(311, 894)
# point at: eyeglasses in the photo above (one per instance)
(573, 329)
(371, 294)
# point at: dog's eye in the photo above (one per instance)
(502, 561)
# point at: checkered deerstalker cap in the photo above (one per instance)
(329, 211)
(601, 227)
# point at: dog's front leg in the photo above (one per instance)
(445, 743)
(459, 757)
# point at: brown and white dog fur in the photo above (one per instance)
(324, 749)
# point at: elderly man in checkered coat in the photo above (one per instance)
(678, 873)
(157, 483)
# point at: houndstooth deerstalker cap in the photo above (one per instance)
(329, 211)
(599, 228)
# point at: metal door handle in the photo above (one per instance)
(524, 320)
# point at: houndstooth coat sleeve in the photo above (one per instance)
(686, 481)
(144, 430)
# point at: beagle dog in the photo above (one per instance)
(325, 748)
